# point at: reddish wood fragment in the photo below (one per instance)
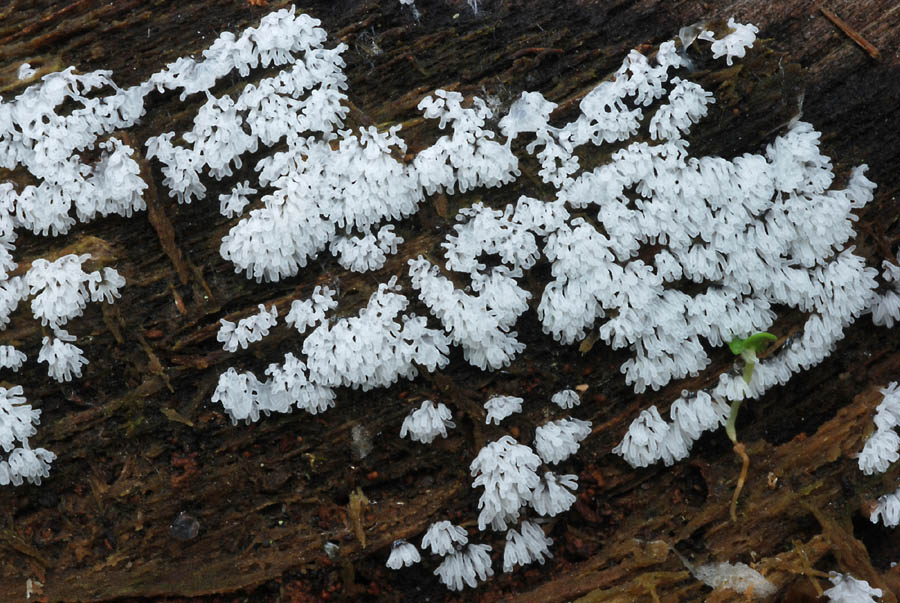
(852, 33)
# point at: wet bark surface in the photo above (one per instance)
(143, 454)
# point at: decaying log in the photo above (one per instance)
(143, 454)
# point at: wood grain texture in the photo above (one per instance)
(138, 441)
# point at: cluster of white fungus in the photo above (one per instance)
(881, 450)
(883, 447)
(500, 407)
(462, 563)
(566, 399)
(558, 440)
(243, 396)
(759, 232)
(847, 589)
(468, 158)
(53, 125)
(59, 291)
(374, 349)
(525, 546)
(887, 509)
(465, 567)
(247, 330)
(64, 359)
(443, 538)
(427, 422)
(886, 305)
(11, 358)
(310, 312)
(367, 253)
(553, 494)
(403, 554)
(17, 424)
(650, 438)
(507, 471)
(734, 44)
(480, 324)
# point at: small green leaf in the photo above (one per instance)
(759, 341)
(756, 342)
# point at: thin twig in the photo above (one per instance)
(851, 33)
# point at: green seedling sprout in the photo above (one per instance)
(746, 349)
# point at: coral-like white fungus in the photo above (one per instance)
(686, 106)
(17, 424)
(735, 43)
(25, 71)
(883, 447)
(507, 472)
(443, 538)
(427, 422)
(641, 444)
(64, 359)
(462, 568)
(758, 232)
(886, 304)
(11, 358)
(553, 494)
(373, 349)
(289, 385)
(356, 185)
(310, 312)
(490, 231)
(239, 393)
(17, 419)
(247, 330)
(480, 324)
(233, 203)
(367, 253)
(847, 589)
(694, 413)
(500, 407)
(467, 158)
(403, 554)
(60, 288)
(26, 464)
(558, 440)
(107, 286)
(650, 438)
(243, 396)
(887, 509)
(566, 399)
(525, 546)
